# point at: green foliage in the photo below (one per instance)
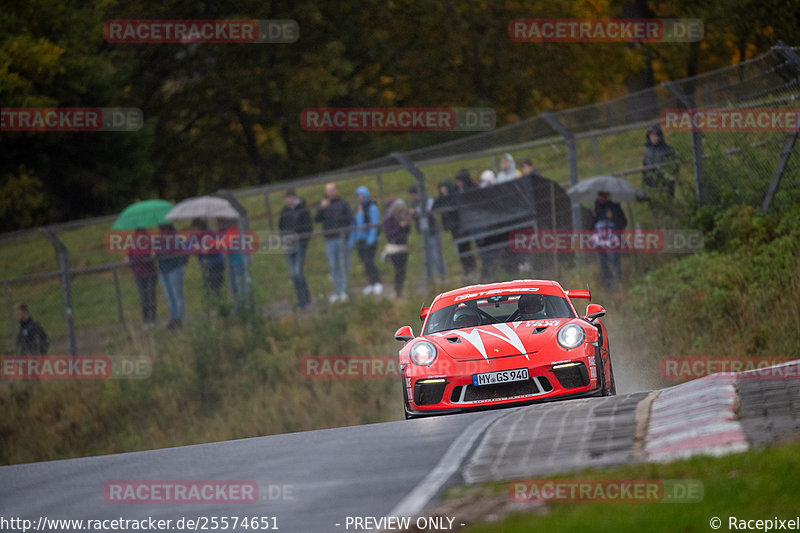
(738, 298)
(215, 380)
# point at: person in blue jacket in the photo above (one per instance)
(365, 238)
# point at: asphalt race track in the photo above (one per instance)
(313, 481)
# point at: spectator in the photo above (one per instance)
(463, 181)
(608, 222)
(657, 151)
(365, 238)
(335, 216)
(508, 169)
(144, 274)
(434, 247)
(212, 264)
(528, 171)
(170, 268)
(240, 283)
(397, 227)
(447, 203)
(295, 221)
(488, 179)
(31, 339)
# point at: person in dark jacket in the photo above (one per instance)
(365, 238)
(397, 226)
(212, 264)
(31, 339)
(170, 269)
(144, 274)
(336, 216)
(464, 181)
(295, 226)
(447, 203)
(657, 151)
(434, 231)
(609, 220)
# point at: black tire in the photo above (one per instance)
(610, 388)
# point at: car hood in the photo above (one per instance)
(498, 340)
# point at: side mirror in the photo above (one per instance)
(404, 334)
(594, 311)
(424, 312)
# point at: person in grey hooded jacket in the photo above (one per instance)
(657, 151)
(508, 169)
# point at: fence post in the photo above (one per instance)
(268, 209)
(572, 159)
(66, 284)
(776, 178)
(120, 314)
(381, 199)
(697, 142)
(596, 154)
(10, 305)
(244, 225)
(424, 230)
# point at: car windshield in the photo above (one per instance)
(497, 309)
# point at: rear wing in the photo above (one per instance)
(580, 293)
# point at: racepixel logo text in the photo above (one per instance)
(70, 119)
(397, 119)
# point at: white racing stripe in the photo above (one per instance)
(417, 499)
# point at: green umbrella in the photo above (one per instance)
(143, 215)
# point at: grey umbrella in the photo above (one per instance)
(203, 207)
(619, 189)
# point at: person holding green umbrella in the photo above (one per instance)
(139, 216)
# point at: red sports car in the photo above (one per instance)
(504, 343)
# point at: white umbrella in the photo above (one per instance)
(202, 207)
(619, 189)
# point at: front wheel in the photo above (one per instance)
(608, 386)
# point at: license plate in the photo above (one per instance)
(502, 376)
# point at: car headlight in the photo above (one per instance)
(423, 353)
(571, 336)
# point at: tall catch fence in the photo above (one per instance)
(88, 302)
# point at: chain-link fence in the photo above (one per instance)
(89, 302)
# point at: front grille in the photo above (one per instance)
(530, 387)
(428, 393)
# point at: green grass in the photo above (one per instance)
(758, 484)
(215, 380)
